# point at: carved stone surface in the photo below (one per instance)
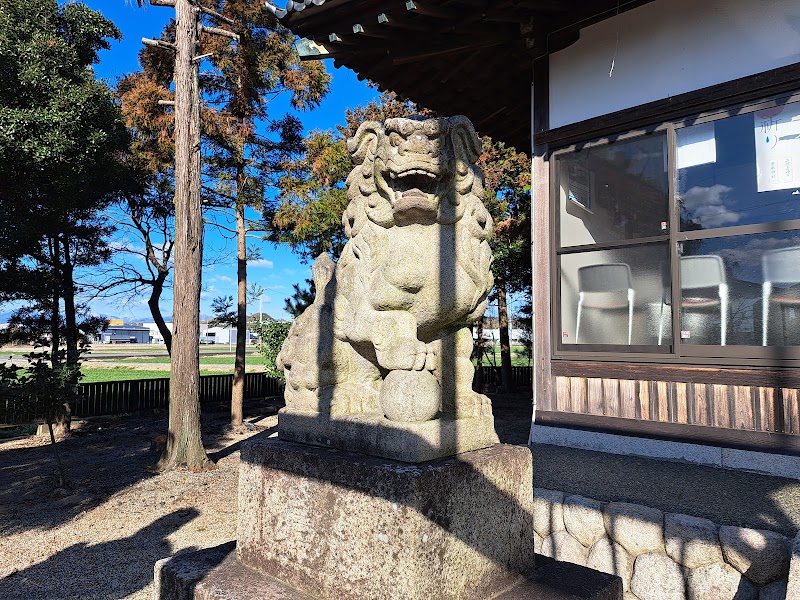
(657, 577)
(562, 546)
(610, 557)
(335, 524)
(636, 528)
(388, 336)
(548, 511)
(718, 581)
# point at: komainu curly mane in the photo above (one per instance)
(392, 317)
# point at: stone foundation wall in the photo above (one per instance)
(666, 556)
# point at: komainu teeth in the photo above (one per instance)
(415, 172)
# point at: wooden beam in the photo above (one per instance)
(405, 58)
(543, 397)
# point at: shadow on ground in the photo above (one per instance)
(127, 564)
(101, 457)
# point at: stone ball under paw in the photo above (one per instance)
(410, 396)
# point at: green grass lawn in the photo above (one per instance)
(91, 375)
(204, 360)
(518, 357)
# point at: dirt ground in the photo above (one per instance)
(101, 539)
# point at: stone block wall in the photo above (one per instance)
(666, 556)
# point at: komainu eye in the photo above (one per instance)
(432, 128)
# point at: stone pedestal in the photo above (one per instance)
(319, 524)
(340, 525)
(378, 436)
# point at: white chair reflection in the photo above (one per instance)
(605, 284)
(704, 272)
(780, 266)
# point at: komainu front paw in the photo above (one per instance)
(351, 399)
(404, 354)
(473, 404)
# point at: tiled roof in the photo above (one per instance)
(291, 6)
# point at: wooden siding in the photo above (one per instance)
(737, 407)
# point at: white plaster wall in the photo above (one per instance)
(669, 47)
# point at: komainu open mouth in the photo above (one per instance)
(413, 181)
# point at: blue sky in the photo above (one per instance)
(278, 268)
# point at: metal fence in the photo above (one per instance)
(115, 397)
(489, 378)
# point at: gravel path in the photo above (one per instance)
(102, 540)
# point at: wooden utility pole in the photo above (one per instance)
(184, 444)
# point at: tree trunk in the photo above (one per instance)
(184, 442)
(68, 292)
(237, 394)
(155, 310)
(64, 417)
(62, 474)
(478, 352)
(55, 310)
(507, 384)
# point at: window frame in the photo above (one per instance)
(677, 352)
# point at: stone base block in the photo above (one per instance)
(217, 574)
(378, 436)
(341, 525)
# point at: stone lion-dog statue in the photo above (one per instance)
(388, 334)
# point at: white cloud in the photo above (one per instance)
(260, 263)
(706, 205)
(208, 292)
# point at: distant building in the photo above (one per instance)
(125, 334)
(222, 335)
(155, 334)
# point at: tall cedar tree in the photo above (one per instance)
(313, 198)
(240, 164)
(62, 159)
(507, 195)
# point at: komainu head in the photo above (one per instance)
(412, 170)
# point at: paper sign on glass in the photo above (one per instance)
(777, 135)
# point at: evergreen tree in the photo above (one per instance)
(62, 159)
(246, 146)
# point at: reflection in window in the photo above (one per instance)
(741, 170)
(741, 290)
(616, 297)
(617, 191)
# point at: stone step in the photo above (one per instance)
(216, 574)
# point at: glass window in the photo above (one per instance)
(616, 297)
(618, 191)
(741, 290)
(736, 200)
(740, 170)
